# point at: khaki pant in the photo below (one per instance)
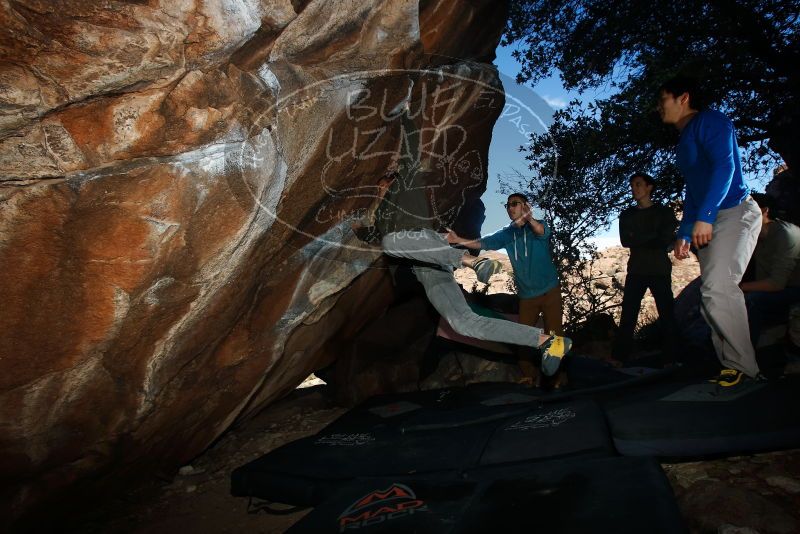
(722, 264)
(549, 306)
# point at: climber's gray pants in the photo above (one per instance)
(445, 294)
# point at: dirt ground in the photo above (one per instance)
(740, 495)
(198, 500)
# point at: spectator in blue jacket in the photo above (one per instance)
(404, 225)
(527, 241)
(720, 220)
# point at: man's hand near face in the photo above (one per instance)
(525, 218)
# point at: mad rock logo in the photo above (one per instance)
(398, 500)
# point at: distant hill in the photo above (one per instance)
(609, 271)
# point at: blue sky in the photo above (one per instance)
(534, 107)
(504, 158)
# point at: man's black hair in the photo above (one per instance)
(684, 84)
(764, 201)
(520, 196)
(649, 180)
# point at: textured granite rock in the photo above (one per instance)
(177, 182)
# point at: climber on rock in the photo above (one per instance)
(407, 230)
(527, 241)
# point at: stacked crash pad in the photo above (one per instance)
(621, 495)
(686, 419)
(508, 457)
(439, 433)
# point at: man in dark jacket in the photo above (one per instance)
(648, 229)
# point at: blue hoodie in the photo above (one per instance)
(708, 158)
(529, 253)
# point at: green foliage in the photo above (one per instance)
(744, 52)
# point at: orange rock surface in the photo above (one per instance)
(176, 179)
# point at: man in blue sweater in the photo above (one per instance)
(527, 241)
(720, 220)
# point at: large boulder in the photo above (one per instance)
(177, 182)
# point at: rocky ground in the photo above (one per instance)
(608, 273)
(198, 499)
(741, 494)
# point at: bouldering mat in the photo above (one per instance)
(682, 419)
(487, 430)
(620, 495)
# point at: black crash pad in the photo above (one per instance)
(412, 434)
(620, 495)
(586, 375)
(592, 376)
(699, 418)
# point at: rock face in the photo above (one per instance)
(177, 180)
